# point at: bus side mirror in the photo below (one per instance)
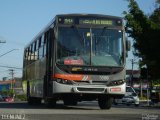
(128, 45)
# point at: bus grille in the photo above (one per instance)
(89, 83)
(81, 89)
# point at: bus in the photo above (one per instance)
(77, 57)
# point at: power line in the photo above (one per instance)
(8, 52)
(10, 67)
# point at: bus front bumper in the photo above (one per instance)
(93, 89)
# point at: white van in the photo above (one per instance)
(130, 97)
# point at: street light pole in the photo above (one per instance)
(133, 61)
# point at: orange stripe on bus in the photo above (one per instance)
(69, 76)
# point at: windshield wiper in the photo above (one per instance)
(103, 31)
(77, 32)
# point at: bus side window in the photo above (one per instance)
(41, 47)
(45, 49)
(35, 43)
(30, 54)
(36, 55)
(45, 43)
(40, 55)
(42, 40)
(26, 56)
(39, 43)
(35, 52)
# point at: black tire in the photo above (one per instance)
(30, 100)
(34, 100)
(105, 102)
(38, 101)
(136, 105)
(50, 102)
(115, 103)
(70, 102)
(128, 104)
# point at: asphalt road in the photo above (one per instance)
(83, 111)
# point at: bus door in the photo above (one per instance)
(49, 63)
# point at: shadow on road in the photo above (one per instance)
(24, 105)
(134, 107)
(80, 106)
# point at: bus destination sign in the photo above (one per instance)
(88, 21)
(96, 21)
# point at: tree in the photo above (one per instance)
(158, 1)
(145, 31)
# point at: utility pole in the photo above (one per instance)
(132, 72)
(12, 77)
(133, 62)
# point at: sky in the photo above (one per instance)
(21, 20)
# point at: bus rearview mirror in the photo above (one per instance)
(128, 45)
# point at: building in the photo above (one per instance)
(6, 85)
(15, 85)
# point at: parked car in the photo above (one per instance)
(8, 98)
(130, 97)
(155, 95)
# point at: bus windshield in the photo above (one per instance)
(90, 46)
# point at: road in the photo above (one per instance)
(83, 111)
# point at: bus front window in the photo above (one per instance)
(85, 46)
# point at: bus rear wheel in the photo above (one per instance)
(50, 102)
(70, 102)
(105, 102)
(34, 101)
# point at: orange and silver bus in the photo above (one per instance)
(77, 57)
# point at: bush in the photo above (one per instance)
(7, 92)
(22, 97)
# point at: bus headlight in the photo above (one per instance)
(116, 82)
(64, 81)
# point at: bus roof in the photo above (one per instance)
(89, 15)
(49, 25)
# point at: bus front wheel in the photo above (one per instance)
(105, 102)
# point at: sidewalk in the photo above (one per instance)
(147, 103)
